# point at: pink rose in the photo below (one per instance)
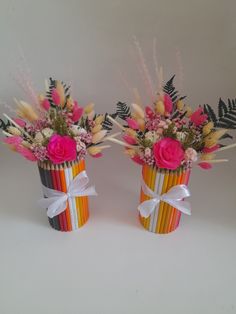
(168, 153)
(61, 149)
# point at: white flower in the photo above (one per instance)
(38, 138)
(82, 131)
(47, 132)
(75, 130)
(190, 154)
(148, 152)
(79, 144)
(181, 136)
(152, 136)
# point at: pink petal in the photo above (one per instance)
(133, 124)
(209, 150)
(25, 152)
(168, 103)
(12, 140)
(205, 165)
(77, 112)
(20, 122)
(55, 97)
(138, 160)
(129, 139)
(149, 112)
(97, 155)
(45, 104)
(197, 117)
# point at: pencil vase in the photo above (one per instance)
(58, 177)
(165, 218)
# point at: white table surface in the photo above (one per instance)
(112, 265)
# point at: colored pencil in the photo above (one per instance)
(50, 185)
(72, 200)
(153, 180)
(43, 180)
(64, 189)
(75, 173)
(161, 207)
(170, 209)
(59, 186)
(174, 211)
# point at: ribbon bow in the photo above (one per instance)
(55, 201)
(173, 197)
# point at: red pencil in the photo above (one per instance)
(55, 186)
(59, 186)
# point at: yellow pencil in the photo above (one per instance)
(160, 213)
(165, 205)
(74, 170)
(170, 209)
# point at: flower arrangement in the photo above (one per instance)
(57, 133)
(170, 134)
(56, 129)
(167, 138)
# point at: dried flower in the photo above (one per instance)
(26, 111)
(138, 110)
(160, 107)
(13, 130)
(89, 108)
(47, 132)
(38, 138)
(99, 136)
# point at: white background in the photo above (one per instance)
(112, 265)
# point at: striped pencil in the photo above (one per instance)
(64, 189)
(59, 187)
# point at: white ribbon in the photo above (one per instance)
(173, 197)
(55, 201)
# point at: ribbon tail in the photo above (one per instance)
(54, 205)
(147, 207)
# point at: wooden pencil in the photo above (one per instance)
(43, 180)
(77, 207)
(64, 189)
(174, 212)
(161, 206)
(50, 185)
(85, 198)
(170, 209)
(153, 179)
(59, 186)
